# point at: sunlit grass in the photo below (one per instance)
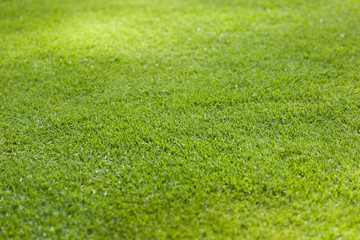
(179, 119)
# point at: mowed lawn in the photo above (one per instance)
(179, 119)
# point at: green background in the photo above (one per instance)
(182, 119)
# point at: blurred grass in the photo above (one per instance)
(179, 119)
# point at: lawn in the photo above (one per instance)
(179, 119)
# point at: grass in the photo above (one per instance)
(191, 119)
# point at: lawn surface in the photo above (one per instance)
(179, 119)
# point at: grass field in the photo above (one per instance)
(179, 119)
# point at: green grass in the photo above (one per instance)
(179, 119)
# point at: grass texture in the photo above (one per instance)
(179, 119)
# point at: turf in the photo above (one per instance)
(179, 119)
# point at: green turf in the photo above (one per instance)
(179, 119)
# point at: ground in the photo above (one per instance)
(179, 119)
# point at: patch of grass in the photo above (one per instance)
(186, 119)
